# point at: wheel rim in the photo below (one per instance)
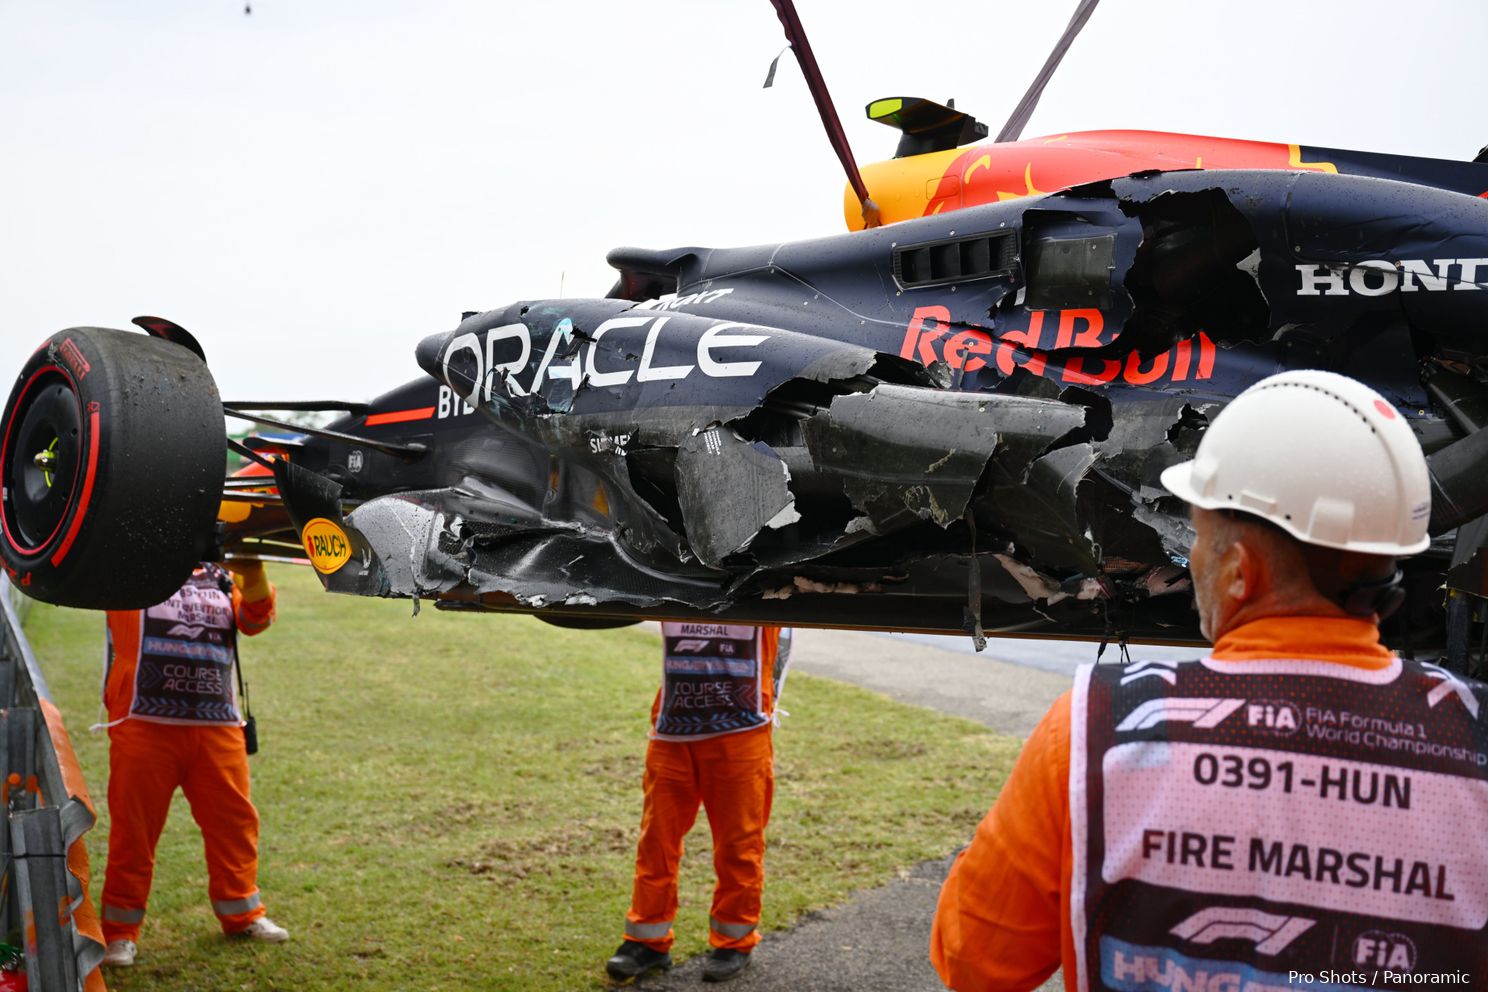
(42, 444)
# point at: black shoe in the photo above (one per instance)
(633, 958)
(724, 963)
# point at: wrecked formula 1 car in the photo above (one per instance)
(950, 423)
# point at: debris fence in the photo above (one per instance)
(43, 863)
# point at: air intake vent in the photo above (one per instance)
(955, 260)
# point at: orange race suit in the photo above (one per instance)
(169, 688)
(1225, 823)
(710, 745)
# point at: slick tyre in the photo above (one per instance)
(112, 458)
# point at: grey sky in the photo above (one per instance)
(313, 188)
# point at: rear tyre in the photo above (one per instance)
(112, 454)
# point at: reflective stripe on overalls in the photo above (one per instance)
(118, 914)
(733, 931)
(647, 931)
(232, 907)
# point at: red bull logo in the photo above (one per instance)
(994, 173)
(939, 182)
(931, 336)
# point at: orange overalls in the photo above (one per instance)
(174, 722)
(710, 745)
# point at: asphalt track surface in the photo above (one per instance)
(878, 941)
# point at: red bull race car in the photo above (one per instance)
(952, 422)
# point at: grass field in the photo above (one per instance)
(452, 801)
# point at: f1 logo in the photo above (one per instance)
(1202, 713)
(689, 645)
(1270, 933)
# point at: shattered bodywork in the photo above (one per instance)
(955, 423)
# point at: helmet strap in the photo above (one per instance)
(1375, 597)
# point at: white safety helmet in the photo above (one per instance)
(1319, 455)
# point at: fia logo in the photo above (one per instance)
(1390, 951)
(1280, 718)
(354, 461)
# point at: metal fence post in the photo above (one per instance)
(41, 883)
